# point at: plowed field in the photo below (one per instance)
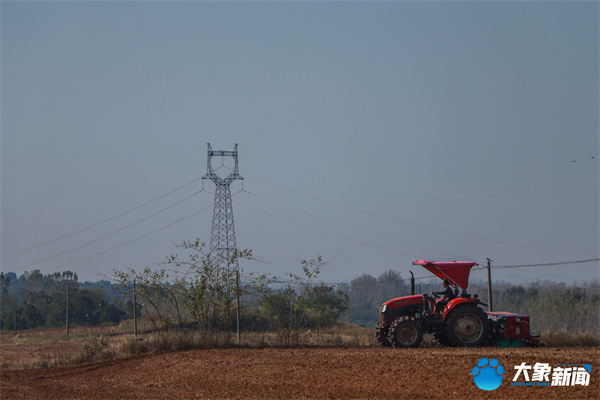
(301, 372)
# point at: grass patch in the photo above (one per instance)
(163, 342)
(96, 349)
(347, 335)
(144, 324)
(340, 335)
(561, 339)
(91, 350)
(76, 334)
(52, 338)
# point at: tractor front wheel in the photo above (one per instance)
(467, 327)
(406, 332)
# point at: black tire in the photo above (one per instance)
(467, 326)
(441, 338)
(381, 334)
(406, 332)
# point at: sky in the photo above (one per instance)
(370, 133)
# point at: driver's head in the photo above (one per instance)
(446, 283)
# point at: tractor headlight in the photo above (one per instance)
(384, 308)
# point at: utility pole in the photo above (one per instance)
(222, 239)
(489, 273)
(67, 319)
(237, 289)
(15, 314)
(134, 311)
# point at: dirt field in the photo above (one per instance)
(298, 373)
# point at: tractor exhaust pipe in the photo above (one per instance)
(412, 283)
(489, 284)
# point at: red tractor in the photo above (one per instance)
(459, 322)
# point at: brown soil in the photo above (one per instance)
(299, 373)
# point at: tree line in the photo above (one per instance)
(42, 301)
(193, 292)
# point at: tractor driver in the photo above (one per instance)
(447, 296)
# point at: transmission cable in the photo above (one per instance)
(325, 232)
(130, 241)
(446, 191)
(352, 228)
(546, 264)
(107, 235)
(103, 222)
(412, 223)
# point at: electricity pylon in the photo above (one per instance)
(222, 237)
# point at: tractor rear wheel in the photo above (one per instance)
(406, 332)
(381, 334)
(467, 326)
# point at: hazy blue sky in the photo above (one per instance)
(378, 133)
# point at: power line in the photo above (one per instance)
(130, 241)
(546, 264)
(412, 223)
(107, 235)
(325, 232)
(102, 222)
(352, 228)
(440, 189)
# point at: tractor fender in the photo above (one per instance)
(453, 304)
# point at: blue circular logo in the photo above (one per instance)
(487, 374)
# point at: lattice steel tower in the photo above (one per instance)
(222, 238)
